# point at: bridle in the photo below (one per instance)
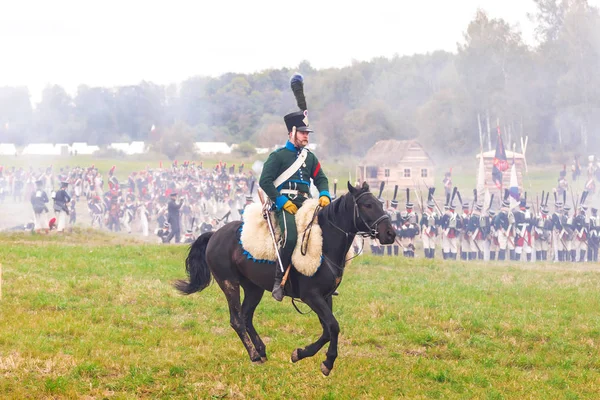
(371, 231)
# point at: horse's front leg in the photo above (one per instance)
(312, 348)
(331, 330)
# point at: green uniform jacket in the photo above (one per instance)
(279, 161)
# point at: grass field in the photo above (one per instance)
(91, 315)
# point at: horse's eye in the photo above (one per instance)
(368, 205)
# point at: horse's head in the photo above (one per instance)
(370, 215)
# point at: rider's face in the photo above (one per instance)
(299, 139)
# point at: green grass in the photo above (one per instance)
(93, 316)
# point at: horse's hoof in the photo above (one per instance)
(263, 359)
(295, 357)
(259, 361)
(325, 370)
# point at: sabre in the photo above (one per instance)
(267, 214)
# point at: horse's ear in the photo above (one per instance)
(365, 185)
(351, 188)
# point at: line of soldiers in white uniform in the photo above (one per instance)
(515, 233)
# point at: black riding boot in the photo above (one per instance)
(529, 257)
(492, 255)
(544, 255)
(581, 255)
(590, 255)
(432, 253)
(538, 256)
(513, 255)
(396, 249)
(426, 251)
(454, 255)
(286, 259)
(463, 255)
(473, 255)
(389, 250)
(480, 255)
(573, 255)
(277, 291)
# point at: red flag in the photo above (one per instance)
(500, 162)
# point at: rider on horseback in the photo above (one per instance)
(286, 180)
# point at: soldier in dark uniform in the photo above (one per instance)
(395, 218)
(39, 199)
(476, 230)
(429, 227)
(288, 193)
(164, 233)
(173, 217)
(542, 234)
(581, 234)
(492, 235)
(61, 201)
(594, 238)
(501, 226)
(519, 230)
(558, 233)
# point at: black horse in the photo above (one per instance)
(219, 253)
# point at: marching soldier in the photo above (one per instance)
(465, 233)
(448, 224)
(567, 223)
(478, 230)
(61, 201)
(502, 228)
(429, 226)
(558, 232)
(594, 238)
(286, 179)
(447, 182)
(542, 234)
(407, 234)
(581, 233)
(39, 199)
(392, 211)
(491, 236)
(563, 186)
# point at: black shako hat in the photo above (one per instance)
(298, 119)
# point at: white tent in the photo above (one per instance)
(45, 149)
(8, 149)
(82, 148)
(137, 148)
(212, 148)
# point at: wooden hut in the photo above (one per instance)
(397, 162)
(488, 164)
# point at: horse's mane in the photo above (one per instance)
(339, 206)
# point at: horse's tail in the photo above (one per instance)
(196, 267)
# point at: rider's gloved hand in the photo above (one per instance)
(290, 207)
(324, 201)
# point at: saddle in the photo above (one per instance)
(258, 245)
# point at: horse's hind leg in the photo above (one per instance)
(236, 319)
(252, 297)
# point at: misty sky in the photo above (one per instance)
(111, 43)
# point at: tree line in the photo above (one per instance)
(450, 102)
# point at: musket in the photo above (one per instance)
(267, 214)
(434, 202)
(420, 200)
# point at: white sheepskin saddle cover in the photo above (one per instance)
(256, 239)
